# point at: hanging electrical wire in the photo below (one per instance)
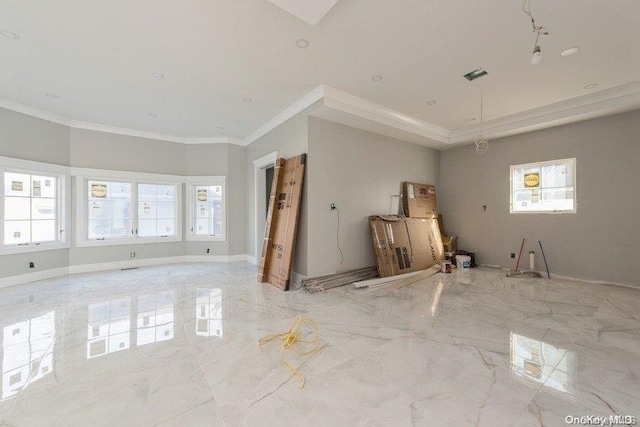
(540, 30)
(482, 145)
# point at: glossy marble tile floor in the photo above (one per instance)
(177, 346)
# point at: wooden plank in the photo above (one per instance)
(265, 257)
(383, 280)
(418, 277)
(322, 283)
(285, 222)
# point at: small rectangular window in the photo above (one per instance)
(156, 210)
(544, 187)
(31, 209)
(109, 210)
(206, 209)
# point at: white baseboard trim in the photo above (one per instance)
(251, 259)
(543, 273)
(216, 258)
(6, 282)
(118, 265)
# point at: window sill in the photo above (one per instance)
(127, 241)
(8, 250)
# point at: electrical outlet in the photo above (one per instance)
(32, 265)
(208, 250)
(332, 206)
(513, 255)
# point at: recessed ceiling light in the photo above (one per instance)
(52, 95)
(10, 35)
(470, 119)
(152, 115)
(569, 52)
(302, 43)
(248, 100)
(158, 75)
(591, 86)
(376, 78)
(475, 74)
(432, 102)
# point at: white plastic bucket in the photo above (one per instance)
(463, 262)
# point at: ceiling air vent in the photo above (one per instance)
(475, 74)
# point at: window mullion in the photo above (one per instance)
(134, 209)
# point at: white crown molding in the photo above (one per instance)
(342, 107)
(356, 106)
(603, 103)
(297, 107)
(34, 112)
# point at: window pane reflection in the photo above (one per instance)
(536, 362)
(209, 312)
(109, 327)
(27, 353)
(155, 318)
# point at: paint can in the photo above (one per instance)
(445, 266)
(463, 262)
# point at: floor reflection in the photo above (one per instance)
(27, 353)
(109, 327)
(536, 363)
(155, 318)
(209, 312)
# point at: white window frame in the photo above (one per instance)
(63, 203)
(542, 164)
(81, 221)
(192, 182)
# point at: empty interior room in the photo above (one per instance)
(319, 213)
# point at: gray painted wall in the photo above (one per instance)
(599, 242)
(289, 139)
(359, 171)
(30, 138)
(100, 150)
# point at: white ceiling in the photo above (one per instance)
(99, 58)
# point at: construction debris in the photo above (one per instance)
(322, 283)
(418, 277)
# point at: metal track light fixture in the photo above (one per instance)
(536, 58)
(482, 145)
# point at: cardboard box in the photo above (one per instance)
(419, 200)
(282, 222)
(450, 243)
(404, 245)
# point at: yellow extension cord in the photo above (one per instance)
(290, 338)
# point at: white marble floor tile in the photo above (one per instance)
(176, 345)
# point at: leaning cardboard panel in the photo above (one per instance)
(419, 200)
(265, 257)
(404, 245)
(285, 222)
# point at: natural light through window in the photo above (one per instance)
(30, 209)
(109, 210)
(156, 210)
(544, 187)
(206, 209)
